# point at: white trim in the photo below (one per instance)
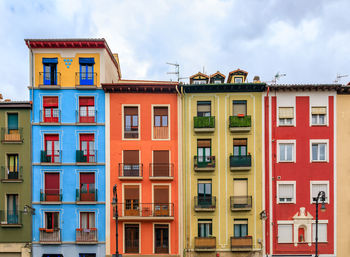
(107, 173)
(152, 122)
(123, 194)
(293, 142)
(294, 114)
(286, 183)
(319, 182)
(285, 222)
(270, 175)
(334, 170)
(320, 141)
(139, 121)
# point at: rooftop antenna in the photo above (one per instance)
(177, 71)
(339, 77)
(277, 77)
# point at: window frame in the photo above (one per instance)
(325, 124)
(291, 226)
(208, 222)
(279, 124)
(138, 118)
(205, 103)
(319, 141)
(319, 182)
(313, 237)
(154, 236)
(278, 190)
(87, 118)
(235, 223)
(153, 121)
(292, 142)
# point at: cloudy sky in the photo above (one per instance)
(307, 40)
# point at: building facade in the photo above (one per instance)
(300, 125)
(144, 167)
(68, 150)
(15, 184)
(222, 165)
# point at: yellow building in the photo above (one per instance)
(222, 165)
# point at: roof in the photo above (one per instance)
(290, 87)
(224, 87)
(199, 73)
(73, 43)
(217, 73)
(141, 86)
(236, 72)
(15, 104)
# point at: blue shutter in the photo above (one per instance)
(50, 60)
(12, 121)
(87, 61)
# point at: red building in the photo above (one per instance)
(299, 162)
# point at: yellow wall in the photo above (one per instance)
(222, 177)
(343, 175)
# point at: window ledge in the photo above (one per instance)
(318, 161)
(12, 180)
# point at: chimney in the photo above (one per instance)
(256, 79)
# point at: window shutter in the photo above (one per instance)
(240, 187)
(130, 110)
(51, 137)
(318, 110)
(86, 137)
(52, 180)
(239, 107)
(87, 178)
(322, 232)
(286, 112)
(286, 191)
(86, 101)
(161, 111)
(316, 188)
(285, 233)
(161, 156)
(131, 156)
(12, 121)
(50, 101)
(131, 192)
(240, 142)
(203, 143)
(203, 106)
(240, 222)
(50, 60)
(161, 194)
(86, 61)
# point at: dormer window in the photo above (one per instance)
(238, 80)
(217, 81)
(199, 82)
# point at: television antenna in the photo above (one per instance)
(339, 77)
(277, 77)
(177, 71)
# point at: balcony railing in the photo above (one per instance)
(204, 124)
(50, 236)
(242, 162)
(205, 243)
(130, 171)
(85, 79)
(204, 163)
(11, 218)
(12, 135)
(49, 80)
(46, 116)
(160, 132)
(50, 195)
(241, 203)
(83, 157)
(131, 132)
(86, 196)
(241, 244)
(146, 210)
(204, 203)
(240, 123)
(86, 235)
(161, 170)
(89, 116)
(11, 174)
(51, 156)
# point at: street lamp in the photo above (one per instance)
(28, 209)
(115, 207)
(321, 196)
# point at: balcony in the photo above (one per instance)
(50, 236)
(11, 175)
(85, 80)
(241, 244)
(204, 203)
(204, 163)
(205, 244)
(83, 158)
(204, 124)
(11, 219)
(240, 123)
(132, 171)
(49, 157)
(86, 196)
(86, 235)
(160, 132)
(146, 211)
(49, 80)
(51, 196)
(161, 171)
(14, 136)
(241, 203)
(50, 118)
(86, 117)
(242, 162)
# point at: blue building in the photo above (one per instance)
(69, 142)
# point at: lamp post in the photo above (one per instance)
(115, 206)
(321, 196)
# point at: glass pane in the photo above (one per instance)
(201, 189)
(157, 121)
(83, 111)
(134, 120)
(314, 152)
(208, 189)
(48, 112)
(236, 150)
(322, 119)
(314, 119)
(91, 111)
(91, 147)
(237, 230)
(282, 152)
(128, 123)
(164, 121)
(244, 231)
(55, 112)
(84, 146)
(243, 150)
(322, 148)
(289, 152)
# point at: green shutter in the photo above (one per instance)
(12, 121)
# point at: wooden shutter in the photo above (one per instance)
(239, 107)
(130, 110)
(52, 180)
(161, 156)
(87, 178)
(12, 120)
(86, 101)
(240, 187)
(131, 192)
(161, 194)
(237, 142)
(318, 110)
(51, 137)
(86, 137)
(50, 101)
(204, 106)
(286, 191)
(285, 233)
(161, 111)
(203, 143)
(286, 112)
(131, 156)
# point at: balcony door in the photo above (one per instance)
(12, 209)
(239, 147)
(86, 71)
(161, 200)
(204, 193)
(131, 166)
(240, 228)
(51, 112)
(204, 228)
(87, 146)
(240, 108)
(52, 146)
(12, 166)
(50, 68)
(203, 152)
(52, 220)
(203, 108)
(161, 166)
(87, 220)
(161, 234)
(12, 123)
(131, 238)
(160, 129)
(87, 186)
(52, 186)
(86, 109)
(132, 200)
(240, 193)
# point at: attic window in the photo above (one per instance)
(217, 81)
(238, 80)
(201, 81)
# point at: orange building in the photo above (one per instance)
(142, 160)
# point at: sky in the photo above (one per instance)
(306, 40)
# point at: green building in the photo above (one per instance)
(15, 176)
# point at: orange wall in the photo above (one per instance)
(145, 145)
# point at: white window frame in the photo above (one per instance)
(319, 182)
(285, 223)
(139, 121)
(326, 117)
(293, 152)
(312, 230)
(320, 141)
(278, 117)
(294, 193)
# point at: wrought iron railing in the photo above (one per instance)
(46, 116)
(89, 116)
(146, 209)
(11, 217)
(130, 170)
(51, 156)
(50, 235)
(86, 195)
(11, 173)
(86, 79)
(86, 235)
(50, 195)
(204, 162)
(241, 202)
(241, 161)
(82, 156)
(49, 78)
(161, 170)
(9, 135)
(205, 202)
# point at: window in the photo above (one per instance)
(161, 200)
(87, 112)
(52, 145)
(161, 236)
(131, 127)
(286, 151)
(204, 193)
(238, 80)
(87, 186)
(203, 108)
(131, 165)
(239, 108)
(286, 116)
(319, 151)
(87, 147)
(240, 193)
(161, 166)
(131, 238)
(197, 82)
(316, 187)
(87, 220)
(51, 112)
(240, 227)
(322, 232)
(160, 129)
(12, 123)
(12, 209)
(132, 200)
(239, 147)
(12, 166)
(205, 228)
(52, 220)
(285, 192)
(86, 71)
(50, 71)
(203, 151)
(52, 187)
(318, 115)
(285, 233)
(217, 81)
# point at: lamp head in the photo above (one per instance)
(114, 202)
(323, 207)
